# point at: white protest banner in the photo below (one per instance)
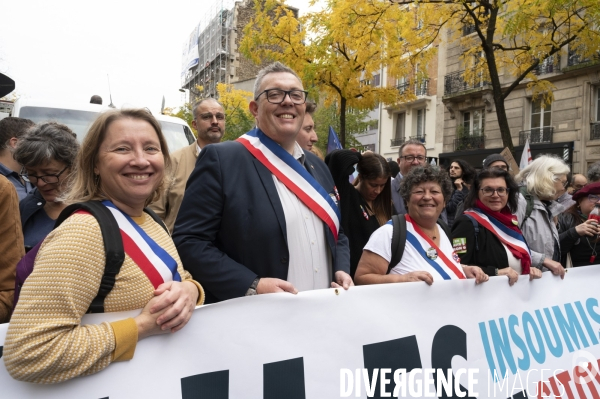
(332, 344)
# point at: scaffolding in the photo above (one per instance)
(214, 51)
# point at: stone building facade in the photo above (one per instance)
(569, 127)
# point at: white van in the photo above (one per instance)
(79, 117)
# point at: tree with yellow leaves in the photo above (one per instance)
(238, 119)
(339, 49)
(506, 41)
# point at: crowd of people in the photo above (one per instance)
(262, 214)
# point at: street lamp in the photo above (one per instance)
(186, 91)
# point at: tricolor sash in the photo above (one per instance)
(508, 237)
(152, 259)
(294, 176)
(420, 243)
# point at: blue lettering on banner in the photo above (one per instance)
(531, 336)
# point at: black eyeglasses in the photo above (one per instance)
(48, 179)
(277, 96)
(488, 191)
(411, 158)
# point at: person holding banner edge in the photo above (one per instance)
(487, 234)
(428, 254)
(122, 163)
(259, 214)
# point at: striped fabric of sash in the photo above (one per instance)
(507, 236)
(442, 262)
(152, 259)
(294, 176)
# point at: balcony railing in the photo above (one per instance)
(595, 131)
(422, 88)
(549, 65)
(455, 83)
(402, 87)
(537, 135)
(469, 143)
(576, 59)
(397, 142)
(418, 138)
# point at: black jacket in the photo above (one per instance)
(581, 248)
(491, 254)
(356, 226)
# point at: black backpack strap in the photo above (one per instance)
(398, 240)
(445, 227)
(113, 246)
(157, 219)
(476, 228)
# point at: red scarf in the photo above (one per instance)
(509, 220)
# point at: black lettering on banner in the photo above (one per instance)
(449, 341)
(402, 353)
(1, 347)
(520, 395)
(213, 385)
(284, 379)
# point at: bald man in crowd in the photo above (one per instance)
(209, 122)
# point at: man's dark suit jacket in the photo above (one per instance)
(231, 227)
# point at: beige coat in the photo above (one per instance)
(183, 163)
(12, 248)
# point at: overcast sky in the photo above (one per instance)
(65, 49)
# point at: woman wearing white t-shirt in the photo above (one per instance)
(428, 253)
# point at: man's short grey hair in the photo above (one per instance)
(311, 107)
(593, 173)
(276, 67)
(411, 142)
(199, 102)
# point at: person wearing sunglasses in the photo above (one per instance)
(487, 234)
(579, 235)
(47, 153)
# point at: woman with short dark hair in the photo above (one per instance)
(428, 255)
(487, 234)
(47, 153)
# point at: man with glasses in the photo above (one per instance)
(412, 153)
(11, 129)
(260, 214)
(209, 122)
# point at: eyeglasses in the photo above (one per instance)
(411, 158)
(48, 179)
(209, 117)
(501, 191)
(564, 183)
(593, 198)
(277, 96)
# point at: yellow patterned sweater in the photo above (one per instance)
(45, 342)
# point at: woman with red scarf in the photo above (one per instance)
(487, 234)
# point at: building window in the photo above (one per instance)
(474, 122)
(541, 115)
(420, 133)
(598, 103)
(399, 133)
(376, 80)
